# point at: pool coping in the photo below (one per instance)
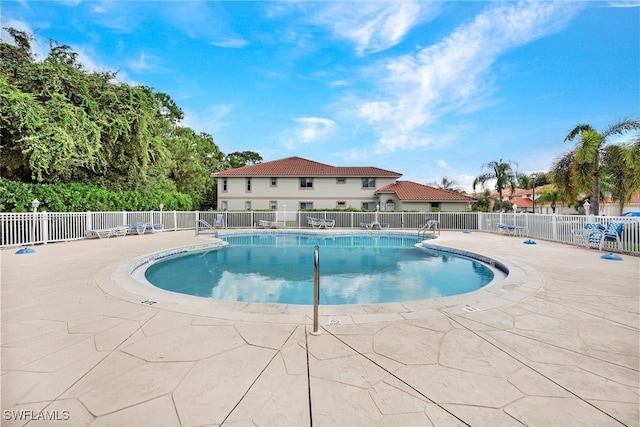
(116, 280)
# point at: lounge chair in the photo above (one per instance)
(107, 232)
(99, 233)
(154, 228)
(598, 235)
(374, 224)
(321, 223)
(271, 224)
(516, 230)
(138, 228)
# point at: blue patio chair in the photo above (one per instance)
(612, 233)
(219, 221)
(581, 236)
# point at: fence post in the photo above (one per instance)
(44, 227)
(88, 222)
(554, 225)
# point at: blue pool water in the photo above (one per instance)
(354, 269)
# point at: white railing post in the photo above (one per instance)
(44, 227)
(88, 222)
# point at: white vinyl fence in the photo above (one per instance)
(21, 229)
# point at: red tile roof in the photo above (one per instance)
(408, 190)
(522, 202)
(297, 166)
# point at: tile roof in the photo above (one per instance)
(297, 166)
(408, 190)
(524, 192)
(522, 202)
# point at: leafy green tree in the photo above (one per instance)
(62, 124)
(194, 158)
(504, 176)
(484, 201)
(585, 166)
(238, 159)
(537, 178)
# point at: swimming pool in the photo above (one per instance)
(358, 268)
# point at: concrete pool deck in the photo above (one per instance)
(554, 344)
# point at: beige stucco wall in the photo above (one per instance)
(325, 194)
(427, 207)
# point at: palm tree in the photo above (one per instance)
(502, 173)
(449, 185)
(553, 196)
(622, 168)
(588, 153)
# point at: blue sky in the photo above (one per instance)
(427, 89)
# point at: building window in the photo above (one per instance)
(369, 206)
(248, 185)
(341, 205)
(341, 180)
(225, 205)
(224, 185)
(435, 205)
(368, 183)
(273, 205)
(306, 182)
(247, 206)
(274, 181)
(390, 205)
(306, 205)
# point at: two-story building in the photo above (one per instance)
(295, 183)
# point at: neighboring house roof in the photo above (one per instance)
(412, 191)
(522, 192)
(297, 166)
(523, 202)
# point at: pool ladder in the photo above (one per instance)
(431, 224)
(203, 227)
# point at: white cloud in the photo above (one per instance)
(230, 42)
(145, 63)
(465, 181)
(309, 130)
(372, 26)
(140, 64)
(210, 120)
(443, 164)
(625, 3)
(453, 75)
